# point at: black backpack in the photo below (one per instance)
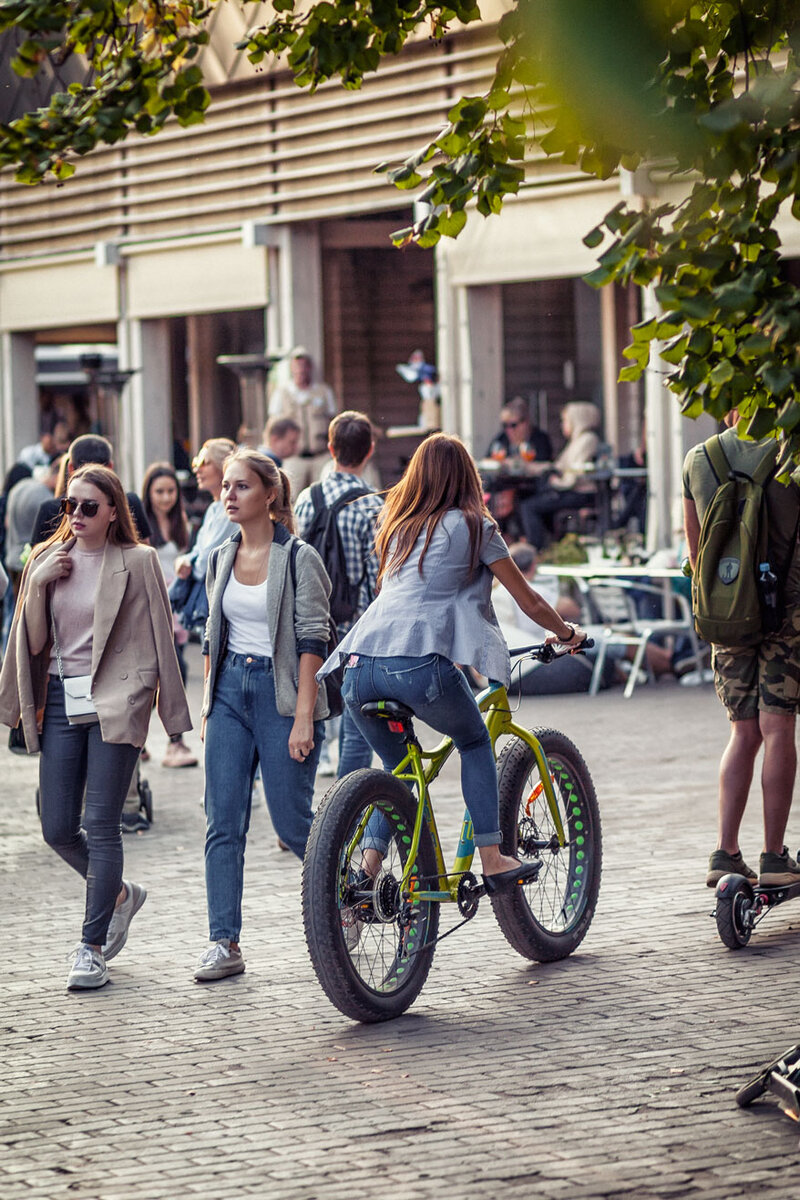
(323, 534)
(333, 682)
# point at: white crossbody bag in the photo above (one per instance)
(78, 703)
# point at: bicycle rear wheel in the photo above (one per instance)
(371, 949)
(548, 919)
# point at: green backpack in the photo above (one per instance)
(726, 596)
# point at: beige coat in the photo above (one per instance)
(133, 653)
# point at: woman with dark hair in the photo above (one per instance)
(92, 622)
(266, 637)
(438, 549)
(169, 533)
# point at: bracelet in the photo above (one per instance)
(571, 637)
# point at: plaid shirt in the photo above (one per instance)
(356, 523)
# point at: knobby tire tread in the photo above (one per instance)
(321, 913)
(514, 915)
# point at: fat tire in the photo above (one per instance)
(571, 876)
(336, 967)
(732, 932)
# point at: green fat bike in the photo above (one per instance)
(371, 936)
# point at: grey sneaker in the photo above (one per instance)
(219, 961)
(117, 934)
(778, 870)
(88, 970)
(721, 863)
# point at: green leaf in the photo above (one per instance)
(761, 423)
(594, 237)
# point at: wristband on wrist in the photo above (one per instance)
(571, 635)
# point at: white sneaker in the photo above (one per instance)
(219, 961)
(89, 969)
(117, 934)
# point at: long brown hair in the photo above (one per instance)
(122, 531)
(273, 479)
(440, 476)
(178, 525)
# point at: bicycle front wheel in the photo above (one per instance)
(371, 947)
(548, 918)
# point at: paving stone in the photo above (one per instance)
(611, 1073)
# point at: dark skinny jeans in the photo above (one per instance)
(76, 759)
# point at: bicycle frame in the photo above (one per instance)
(421, 767)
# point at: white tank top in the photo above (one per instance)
(244, 607)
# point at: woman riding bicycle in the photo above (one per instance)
(438, 548)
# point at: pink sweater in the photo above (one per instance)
(73, 612)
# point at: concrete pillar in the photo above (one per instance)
(608, 338)
(664, 459)
(300, 292)
(20, 395)
(473, 383)
(146, 399)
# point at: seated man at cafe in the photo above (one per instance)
(520, 439)
(567, 485)
(518, 436)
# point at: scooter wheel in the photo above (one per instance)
(734, 901)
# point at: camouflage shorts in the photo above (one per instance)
(762, 678)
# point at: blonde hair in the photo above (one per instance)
(273, 479)
(217, 450)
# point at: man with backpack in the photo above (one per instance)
(337, 517)
(742, 533)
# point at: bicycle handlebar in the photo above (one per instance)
(546, 652)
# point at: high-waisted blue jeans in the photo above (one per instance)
(440, 696)
(75, 758)
(244, 727)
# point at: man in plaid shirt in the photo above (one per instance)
(351, 444)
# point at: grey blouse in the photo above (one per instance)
(444, 610)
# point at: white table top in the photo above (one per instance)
(609, 570)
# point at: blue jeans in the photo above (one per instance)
(75, 758)
(441, 697)
(354, 749)
(244, 727)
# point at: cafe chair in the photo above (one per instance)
(612, 605)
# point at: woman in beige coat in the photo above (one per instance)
(92, 603)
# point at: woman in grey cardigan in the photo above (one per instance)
(266, 637)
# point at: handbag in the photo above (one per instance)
(188, 599)
(78, 703)
(16, 740)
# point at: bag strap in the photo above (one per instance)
(293, 558)
(717, 458)
(57, 648)
(317, 498)
(347, 498)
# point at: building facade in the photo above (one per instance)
(267, 226)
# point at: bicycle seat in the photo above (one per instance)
(398, 715)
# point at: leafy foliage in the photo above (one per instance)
(141, 56)
(705, 94)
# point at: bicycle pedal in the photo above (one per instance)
(504, 881)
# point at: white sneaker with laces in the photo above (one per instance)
(219, 961)
(88, 970)
(117, 934)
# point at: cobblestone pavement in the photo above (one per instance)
(608, 1074)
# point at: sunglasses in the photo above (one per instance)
(512, 424)
(200, 461)
(75, 508)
